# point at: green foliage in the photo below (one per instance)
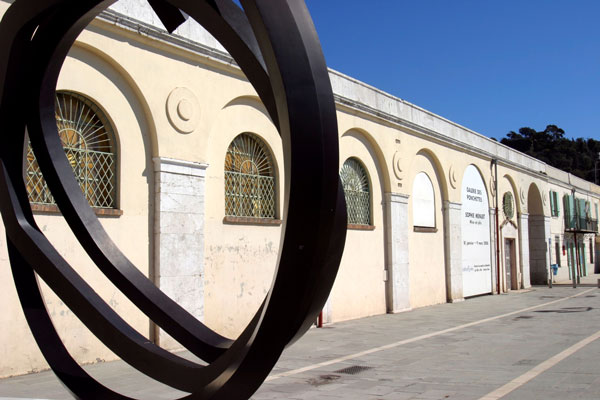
(577, 156)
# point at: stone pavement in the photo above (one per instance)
(589, 280)
(534, 344)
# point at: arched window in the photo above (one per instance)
(249, 179)
(89, 143)
(357, 192)
(423, 201)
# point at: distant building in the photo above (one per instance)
(176, 153)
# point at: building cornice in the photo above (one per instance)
(394, 105)
(429, 133)
(132, 25)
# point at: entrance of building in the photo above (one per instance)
(510, 265)
(538, 242)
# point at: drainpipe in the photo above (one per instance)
(495, 164)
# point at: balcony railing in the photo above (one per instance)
(583, 224)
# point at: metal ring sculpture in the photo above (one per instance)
(276, 45)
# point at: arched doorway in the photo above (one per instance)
(537, 237)
(475, 233)
(427, 271)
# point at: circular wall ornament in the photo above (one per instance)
(545, 198)
(508, 206)
(522, 195)
(396, 165)
(452, 177)
(183, 110)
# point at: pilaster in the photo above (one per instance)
(493, 249)
(179, 235)
(524, 247)
(453, 251)
(396, 232)
(547, 236)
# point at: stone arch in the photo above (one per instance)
(515, 191)
(375, 153)
(131, 90)
(244, 114)
(99, 77)
(367, 139)
(102, 79)
(535, 204)
(427, 259)
(486, 184)
(439, 170)
(250, 101)
(538, 254)
(119, 95)
(240, 257)
(359, 289)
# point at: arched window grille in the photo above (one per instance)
(89, 144)
(249, 179)
(357, 192)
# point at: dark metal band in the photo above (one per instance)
(276, 45)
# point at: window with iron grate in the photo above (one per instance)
(249, 179)
(89, 143)
(357, 192)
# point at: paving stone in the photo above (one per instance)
(463, 363)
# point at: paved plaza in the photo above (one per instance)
(532, 344)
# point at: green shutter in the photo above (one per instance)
(552, 203)
(556, 203)
(570, 215)
(581, 204)
(566, 206)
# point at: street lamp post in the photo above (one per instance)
(576, 267)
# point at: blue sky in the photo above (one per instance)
(492, 66)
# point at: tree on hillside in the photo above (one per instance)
(577, 156)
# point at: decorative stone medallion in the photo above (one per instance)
(508, 206)
(522, 195)
(183, 110)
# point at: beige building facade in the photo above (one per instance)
(426, 229)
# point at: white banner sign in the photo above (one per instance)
(476, 257)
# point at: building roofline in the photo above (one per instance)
(360, 96)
